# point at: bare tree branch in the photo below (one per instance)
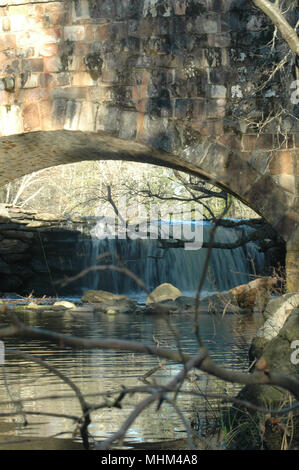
(274, 13)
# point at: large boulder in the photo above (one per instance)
(64, 305)
(255, 430)
(163, 292)
(105, 301)
(275, 315)
(222, 303)
(255, 293)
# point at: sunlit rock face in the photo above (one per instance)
(172, 82)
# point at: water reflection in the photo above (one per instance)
(96, 371)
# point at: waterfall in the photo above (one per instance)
(180, 267)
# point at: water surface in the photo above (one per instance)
(98, 371)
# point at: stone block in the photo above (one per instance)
(208, 127)
(80, 9)
(73, 110)
(5, 24)
(107, 118)
(45, 112)
(282, 162)
(29, 80)
(74, 33)
(259, 160)
(46, 79)
(52, 64)
(7, 41)
(253, 142)
(32, 65)
(215, 108)
(219, 40)
(58, 112)
(18, 22)
(82, 79)
(128, 124)
(180, 7)
(47, 50)
(218, 91)
(287, 182)
(87, 119)
(10, 120)
(31, 119)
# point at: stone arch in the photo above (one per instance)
(152, 81)
(21, 154)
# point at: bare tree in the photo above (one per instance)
(274, 11)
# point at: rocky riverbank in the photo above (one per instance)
(165, 299)
(274, 349)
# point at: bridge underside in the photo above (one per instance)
(21, 154)
(24, 153)
(190, 84)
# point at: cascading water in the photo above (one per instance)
(180, 267)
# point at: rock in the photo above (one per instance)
(12, 246)
(64, 304)
(33, 306)
(256, 292)
(239, 300)
(221, 303)
(4, 214)
(276, 313)
(104, 301)
(44, 216)
(110, 311)
(163, 292)
(162, 308)
(185, 303)
(277, 357)
(18, 234)
(83, 309)
(17, 257)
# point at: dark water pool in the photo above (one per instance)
(97, 371)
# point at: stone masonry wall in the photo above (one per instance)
(174, 82)
(37, 250)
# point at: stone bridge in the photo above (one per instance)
(181, 83)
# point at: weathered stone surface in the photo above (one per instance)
(163, 292)
(276, 313)
(165, 79)
(222, 303)
(25, 266)
(64, 304)
(248, 424)
(12, 246)
(104, 301)
(256, 292)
